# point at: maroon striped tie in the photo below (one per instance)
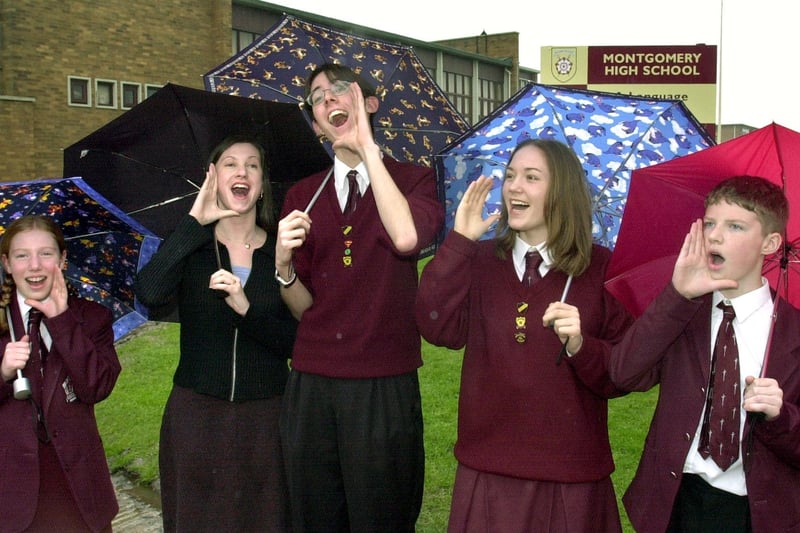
(719, 437)
(532, 261)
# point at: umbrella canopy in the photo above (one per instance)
(105, 247)
(414, 120)
(151, 160)
(665, 199)
(611, 134)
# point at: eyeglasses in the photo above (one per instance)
(317, 96)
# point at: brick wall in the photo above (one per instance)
(43, 42)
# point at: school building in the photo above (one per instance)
(68, 68)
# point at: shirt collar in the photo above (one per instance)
(23, 308)
(340, 171)
(745, 305)
(521, 248)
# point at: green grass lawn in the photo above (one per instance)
(130, 418)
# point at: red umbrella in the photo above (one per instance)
(665, 198)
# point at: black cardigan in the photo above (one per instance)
(217, 343)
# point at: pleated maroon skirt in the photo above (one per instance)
(484, 502)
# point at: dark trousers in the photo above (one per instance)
(700, 508)
(354, 453)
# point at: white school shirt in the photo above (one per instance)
(341, 184)
(752, 325)
(43, 332)
(518, 254)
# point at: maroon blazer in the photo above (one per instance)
(669, 346)
(82, 368)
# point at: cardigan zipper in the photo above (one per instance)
(233, 366)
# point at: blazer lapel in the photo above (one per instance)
(783, 360)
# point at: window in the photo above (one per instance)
(458, 88)
(241, 39)
(78, 91)
(491, 96)
(131, 94)
(526, 77)
(150, 90)
(491, 88)
(105, 93)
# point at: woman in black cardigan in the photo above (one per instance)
(219, 453)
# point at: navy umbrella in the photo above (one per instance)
(105, 247)
(414, 120)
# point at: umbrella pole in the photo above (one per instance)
(782, 279)
(319, 191)
(754, 418)
(563, 351)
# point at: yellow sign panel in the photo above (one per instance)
(700, 99)
(686, 73)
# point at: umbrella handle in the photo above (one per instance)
(218, 292)
(22, 387)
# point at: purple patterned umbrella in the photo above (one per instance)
(414, 120)
(105, 247)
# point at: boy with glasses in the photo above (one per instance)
(346, 259)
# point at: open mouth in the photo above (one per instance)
(716, 259)
(240, 190)
(35, 281)
(337, 117)
(516, 205)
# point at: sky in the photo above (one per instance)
(757, 41)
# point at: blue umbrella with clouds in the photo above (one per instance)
(612, 134)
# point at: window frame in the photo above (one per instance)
(150, 89)
(123, 85)
(112, 84)
(87, 82)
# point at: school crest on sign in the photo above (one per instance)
(563, 63)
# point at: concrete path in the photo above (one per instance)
(136, 513)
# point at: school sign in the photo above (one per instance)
(686, 73)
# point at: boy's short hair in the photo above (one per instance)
(335, 72)
(755, 194)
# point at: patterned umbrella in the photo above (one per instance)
(105, 247)
(612, 134)
(414, 120)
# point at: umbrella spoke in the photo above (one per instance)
(262, 86)
(178, 173)
(162, 203)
